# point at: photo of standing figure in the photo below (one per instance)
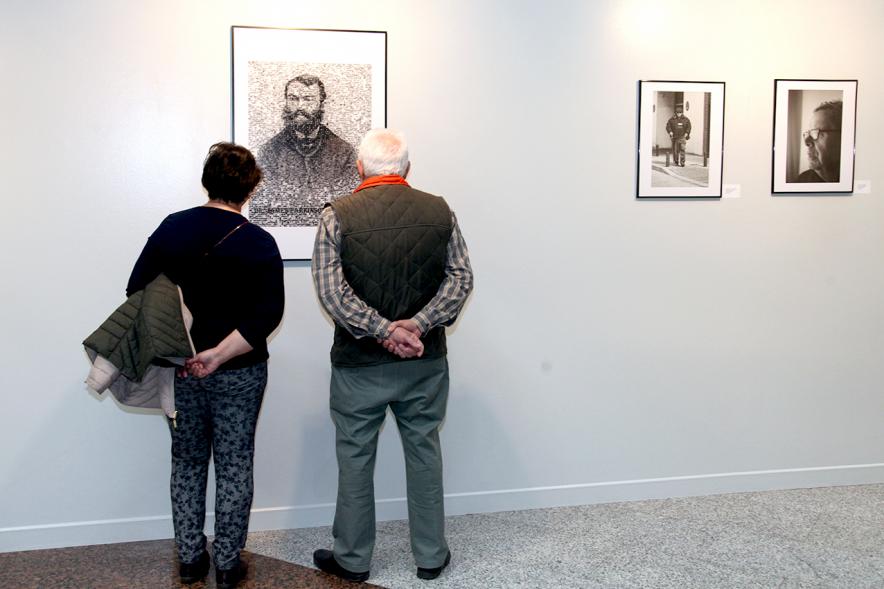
(681, 139)
(679, 128)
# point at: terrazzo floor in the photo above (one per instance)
(828, 537)
(811, 538)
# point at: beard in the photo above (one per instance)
(813, 158)
(301, 121)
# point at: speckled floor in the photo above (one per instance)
(812, 538)
(830, 537)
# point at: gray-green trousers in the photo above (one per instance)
(417, 393)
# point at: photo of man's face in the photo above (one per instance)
(811, 138)
(814, 132)
(303, 107)
(824, 152)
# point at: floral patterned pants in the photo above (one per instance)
(216, 414)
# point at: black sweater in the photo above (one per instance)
(236, 284)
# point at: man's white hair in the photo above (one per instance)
(383, 151)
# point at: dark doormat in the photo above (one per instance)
(147, 565)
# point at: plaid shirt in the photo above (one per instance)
(361, 320)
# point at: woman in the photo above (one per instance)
(230, 273)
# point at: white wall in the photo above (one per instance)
(613, 349)
(698, 124)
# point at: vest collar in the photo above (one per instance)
(384, 180)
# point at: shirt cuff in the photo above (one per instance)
(422, 322)
(383, 328)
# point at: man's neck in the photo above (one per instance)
(306, 145)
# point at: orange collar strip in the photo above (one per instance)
(381, 181)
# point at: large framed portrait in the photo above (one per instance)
(813, 136)
(302, 100)
(680, 139)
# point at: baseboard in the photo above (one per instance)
(306, 516)
(85, 533)
(663, 488)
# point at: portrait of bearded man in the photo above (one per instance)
(822, 140)
(305, 164)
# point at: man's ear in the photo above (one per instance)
(360, 169)
(407, 170)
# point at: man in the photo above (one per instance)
(823, 142)
(391, 268)
(679, 128)
(305, 165)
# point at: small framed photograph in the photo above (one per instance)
(680, 139)
(302, 100)
(813, 136)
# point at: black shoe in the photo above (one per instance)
(325, 561)
(231, 577)
(428, 574)
(195, 571)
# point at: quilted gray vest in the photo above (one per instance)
(394, 245)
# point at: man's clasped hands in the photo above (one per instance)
(404, 339)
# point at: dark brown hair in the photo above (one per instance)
(230, 173)
(834, 108)
(308, 80)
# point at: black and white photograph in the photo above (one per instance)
(302, 101)
(680, 139)
(814, 129)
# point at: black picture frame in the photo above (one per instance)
(682, 165)
(800, 162)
